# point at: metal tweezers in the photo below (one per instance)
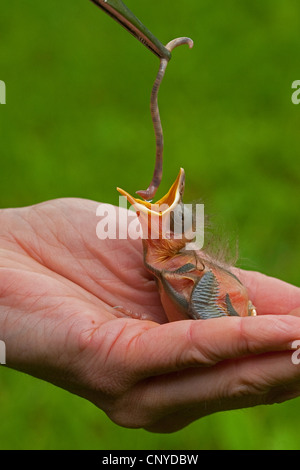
(119, 11)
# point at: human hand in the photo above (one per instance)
(59, 286)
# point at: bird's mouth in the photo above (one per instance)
(165, 205)
(157, 218)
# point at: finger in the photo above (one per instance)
(181, 399)
(295, 312)
(179, 345)
(268, 294)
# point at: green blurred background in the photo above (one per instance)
(77, 124)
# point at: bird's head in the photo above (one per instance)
(166, 224)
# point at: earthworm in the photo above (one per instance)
(149, 193)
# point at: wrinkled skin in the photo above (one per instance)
(58, 287)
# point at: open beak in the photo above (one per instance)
(155, 217)
(119, 12)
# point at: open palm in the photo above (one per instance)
(84, 314)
